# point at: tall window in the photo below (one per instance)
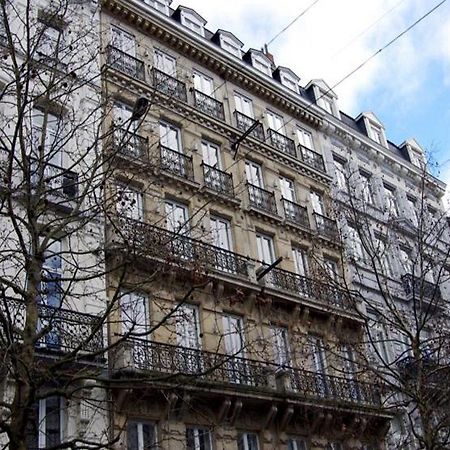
(413, 212)
(326, 103)
(296, 444)
(265, 248)
(355, 244)
(243, 105)
(319, 360)
(188, 326)
(177, 218)
(165, 63)
(317, 203)
(305, 138)
(281, 349)
(301, 262)
(405, 261)
(233, 330)
(160, 5)
(391, 200)
(221, 232)
(129, 202)
(203, 83)
(248, 441)
(376, 134)
(169, 136)
(253, 173)
(50, 42)
(211, 154)
(123, 41)
(198, 438)
(276, 122)
(366, 188)
(331, 268)
(51, 133)
(141, 435)
(378, 335)
(134, 314)
(193, 23)
(287, 189)
(341, 174)
(384, 256)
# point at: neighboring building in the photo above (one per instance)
(220, 353)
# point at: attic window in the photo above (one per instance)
(193, 23)
(160, 5)
(416, 159)
(230, 46)
(289, 82)
(376, 134)
(326, 103)
(261, 64)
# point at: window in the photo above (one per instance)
(50, 42)
(243, 105)
(230, 46)
(305, 138)
(319, 361)
(281, 346)
(134, 314)
(221, 233)
(289, 82)
(335, 446)
(296, 444)
(51, 291)
(211, 154)
(350, 370)
(275, 122)
(355, 245)
(204, 84)
(416, 158)
(301, 262)
(193, 23)
(413, 212)
(406, 263)
(129, 202)
(141, 435)
(317, 203)
(378, 337)
(382, 250)
(331, 268)
(366, 188)
(198, 438)
(287, 189)
(233, 330)
(165, 63)
(123, 41)
(326, 103)
(264, 245)
(177, 219)
(52, 136)
(391, 201)
(260, 63)
(160, 5)
(377, 134)
(248, 441)
(188, 326)
(341, 174)
(169, 136)
(253, 173)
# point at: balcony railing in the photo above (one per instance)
(244, 122)
(218, 181)
(311, 158)
(282, 143)
(262, 199)
(324, 293)
(421, 289)
(62, 329)
(242, 373)
(56, 181)
(327, 227)
(295, 213)
(130, 144)
(176, 163)
(169, 85)
(126, 63)
(209, 105)
(179, 248)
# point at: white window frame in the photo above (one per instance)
(203, 83)
(187, 330)
(384, 256)
(289, 82)
(391, 200)
(326, 103)
(367, 188)
(256, 178)
(244, 442)
(301, 261)
(164, 129)
(130, 202)
(297, 444)
(207, 149)
(243, 104)
(138, 319)
(317, 202)
(305, 138)
(413, 212)
(376, 134)
(164, 62)
(123, 40)
(355, 244)
(341, 174)
(233, 331)
(50, 42)
(261, 65)
(276, 122)
(219, 223)
(42, 424)
(198, 433)
(141, 445)
(160, 5)
(281, 346)
(287, 187)
(171, 209)
(265, 248)
(230, 46)
(191, 22)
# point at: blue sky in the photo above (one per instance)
(407, 86)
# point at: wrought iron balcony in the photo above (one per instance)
(56, 181)
(295, 213)
(130, 144)
(218, 181)
(327, 227)
(242, 373)
(312, 158)
(171, 247)
(208, 105)
(169, 85)
(244, 122)
(176, 163)
(62, 329)
(323, 293)
(117, 59)
(420, 289)
(262, 199)
(282, 143)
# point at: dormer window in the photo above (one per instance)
(190, 19)
(374, 128)
(324, 96)
(228, 42)
(160, 5)
(376, 134)
(415, 153)
(287, 78)
(326, 103)
(261, 65)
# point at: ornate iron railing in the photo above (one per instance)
(420, 288)
(311, 158)
(210, 367)
(126, 63)
(309, 288)
(209, 105)
(176, 247)
(295, 213)
(56, 181)
(169, 85)
(244, 122)
(62, 329)
(327, 227)
(262, 199)
(130, 144)
(282, 143)
(176, 163)
(218, 180)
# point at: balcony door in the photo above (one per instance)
(211, 154)
(243, 105)
(221, 233)
(317, 203)
(177, 221)
(233, 330)
(266, 252)
(129, 203)
(204, 84)
(320, 366)
(123, 41)
(281, 348)
(275, 122)
(188, 358)
(253, 174)
(169, 136)
(287, 189)
(172, 159)
(350, 371)
(134, 315)
(165, 63)
(125, 138)
(300, 261)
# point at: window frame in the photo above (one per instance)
(202, 79)
(121, 33)
(191, 22)
(262, 238)
(198, 445)
(128, 189)
(244, 442)
(140, 433)
(243, 99)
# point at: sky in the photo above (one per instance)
(407, 85)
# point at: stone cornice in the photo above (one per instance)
(205, 54)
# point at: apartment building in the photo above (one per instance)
(233, 329)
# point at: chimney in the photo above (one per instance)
(265, 50)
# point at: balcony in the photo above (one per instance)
(117, 59)
(201, 367)
(208, 105)
(326, 227)
(295, 213)
(176, 163)
(218, 181)
(312, 158)
(318, 291)
(261, 199)
(419, 289)
(62, 330)
(130, 144)
(169, 85)
(282, 143)
(244, 122)
(179, 248)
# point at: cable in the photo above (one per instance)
(292, 23)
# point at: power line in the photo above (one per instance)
(292, 22)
